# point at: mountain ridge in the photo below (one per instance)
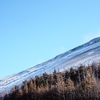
(83, 54)
(95, 40)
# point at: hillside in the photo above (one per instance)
(82, 83)
(84, 54)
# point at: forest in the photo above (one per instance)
(82, 83)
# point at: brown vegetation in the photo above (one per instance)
(82, 83)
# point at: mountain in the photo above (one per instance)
(84, 54)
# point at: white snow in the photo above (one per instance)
(84, 54)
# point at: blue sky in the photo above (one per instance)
(33, 31)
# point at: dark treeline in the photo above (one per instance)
(82, 83)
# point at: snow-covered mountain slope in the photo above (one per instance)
(84, 54)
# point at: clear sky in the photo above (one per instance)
(33, 31)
